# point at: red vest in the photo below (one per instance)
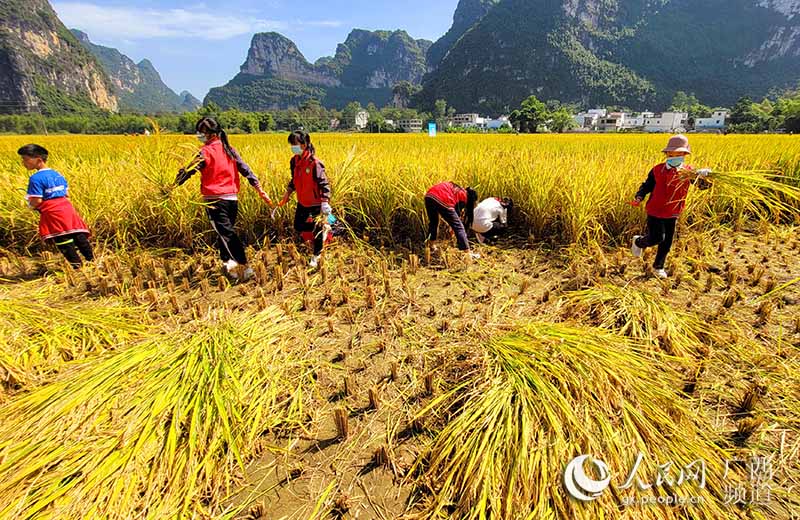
(305, 182)
(58, 217)
(668, 198)
(220, 176)
(448, 194)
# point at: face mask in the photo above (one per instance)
(202, 138)
(297, 149)
(675, 162)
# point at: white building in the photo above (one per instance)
(613, 122)
(362, 119)
(497, 124)
(715, 122)
(590, 119)
(410, 125)
(636, 120)
(466, 120)
(667, 122)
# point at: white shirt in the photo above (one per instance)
(486, 213)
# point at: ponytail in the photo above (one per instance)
(209, 125)
(472, 200)
(299, 137)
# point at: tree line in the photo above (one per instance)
(778, 114)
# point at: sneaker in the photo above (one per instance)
(481, 238)
(475, 256)
(636, 250)
(248, 274)
(314, 262)
(230, 269)
(660, 273)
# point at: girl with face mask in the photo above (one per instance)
(220, 165)
(668, 185)
(313, 190)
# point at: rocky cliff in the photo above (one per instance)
(636, 53)
(138, 86)
(468, 13)
(364, 68)
(44, 67)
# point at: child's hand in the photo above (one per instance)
(264, 197)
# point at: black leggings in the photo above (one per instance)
(69, 245)
(661, 233)
(435, 209)
(222, 214)
(302, 225)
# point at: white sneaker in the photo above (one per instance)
(314, 262)
(229, 269)
(480, 237)
(636, 250)
(475, 256)
(661, 273)
(248, 274)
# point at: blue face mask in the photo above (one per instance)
(202, 138)
(297, 149)
(675, 162)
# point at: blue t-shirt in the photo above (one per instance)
(47, 184)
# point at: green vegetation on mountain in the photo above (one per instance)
(365, 67)
(138, 86)
(637, 53)
(43, 67)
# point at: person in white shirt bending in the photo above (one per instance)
(491, 219)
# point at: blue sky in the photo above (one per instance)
(199, 45)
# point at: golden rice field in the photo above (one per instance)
(401, 381)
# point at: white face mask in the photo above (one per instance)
(202, 138)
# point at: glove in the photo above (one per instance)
(705, 172)
(636, 202)
(325, 208)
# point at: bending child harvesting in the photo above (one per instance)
(668, 186)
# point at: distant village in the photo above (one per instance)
(594, 120)
(601, 120)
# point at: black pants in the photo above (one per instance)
(222, 214)
(493, 234)
(69, 245)
(661, 233)
(435, 210)
(302, 225)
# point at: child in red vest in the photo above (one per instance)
(448, 200)
(219, 165)
(668, 185)
(58, 221)
(313, 190)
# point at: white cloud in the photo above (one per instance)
(114, 22)
(321, 23)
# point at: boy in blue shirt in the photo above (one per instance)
(47, 194)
